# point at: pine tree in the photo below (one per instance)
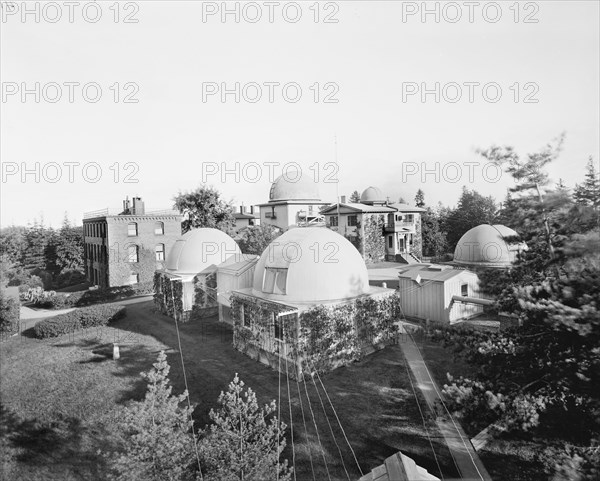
(355, 197)
(588, 193)
(241, 444)
(420, 198)
(69, 248)
(157, 438)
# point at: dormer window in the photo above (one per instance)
(275, 281)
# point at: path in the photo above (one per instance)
(467, 460)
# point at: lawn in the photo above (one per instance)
(59, 399)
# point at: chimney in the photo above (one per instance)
(343, 201)
(126, 205)
(138, 206)
(251, 209)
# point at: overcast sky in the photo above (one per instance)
(374, 61)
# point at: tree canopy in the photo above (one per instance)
(204, 207)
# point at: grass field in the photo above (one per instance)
(59, 400)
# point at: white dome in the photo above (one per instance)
(485, 245)
(294, 185)
(198, 249)
(310, 265)
(371, 195)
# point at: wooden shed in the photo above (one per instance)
(440, 293)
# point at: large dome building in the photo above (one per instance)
(294, 200)
(493, 246)
(302, 269)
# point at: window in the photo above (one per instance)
(333, 221)
(275, 281)
(132, 254)
(159, 228)
(352, 220)
(160, 252)
(246, 321)
(410, 218)
(132, 229)
(278, 327)
(464, 290)
(390, 241)
(134, 278)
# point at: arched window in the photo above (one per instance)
(159, 228)
(160, 252)
(132, 229)
(132, 253)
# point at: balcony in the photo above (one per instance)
(399, 225)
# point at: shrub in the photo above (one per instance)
(83, 318)
(69, 278)
(10, 313)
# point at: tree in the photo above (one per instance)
(242, 444)
(588, 193)
(204, 207)
(10, 309)
(255, 239)
(355, 197)
(69, 247)
(158, 443)
(420, 198)
(472, 210)
(530, 177)
(434, 238)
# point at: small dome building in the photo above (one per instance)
(372, 196)
(294, 200)
(308, 282)
(187, 286)
(487, 246)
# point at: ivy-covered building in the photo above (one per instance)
(310, 305)
(187, 286)
(378, 229)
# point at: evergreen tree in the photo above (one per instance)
(355, 197)
(204, 207)
(420, 199)
(588, 193)
(242, 444)
(157, 434)
(69, 248)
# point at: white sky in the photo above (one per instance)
(369, 54)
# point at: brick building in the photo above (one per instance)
(126, 247)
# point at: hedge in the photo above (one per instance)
(93, 316)
(10, 313)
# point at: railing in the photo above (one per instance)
(113, 211)
(393, 225)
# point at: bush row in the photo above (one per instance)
(93, 316)
(10, 313)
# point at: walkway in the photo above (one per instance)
(465, 457)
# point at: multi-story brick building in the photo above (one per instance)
(126, 247)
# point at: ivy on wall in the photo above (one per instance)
(205, 295)
(327, 336)
(168, 296)
(417, 248)
(373, 240)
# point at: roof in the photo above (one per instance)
(372, 194)
(399, 467)
(238, 264)
(431, 272)
(486, 245)
(245, 216)
(356, 207)
(294, 185)
(370, 209)
(198, 249)
(316, 265)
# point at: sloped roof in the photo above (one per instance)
(431, 272)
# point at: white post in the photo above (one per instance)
(116, 354)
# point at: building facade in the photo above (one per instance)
(245, 217)
(293, 201)
(378, 229)
(125, 248)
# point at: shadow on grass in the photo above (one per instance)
(52, 446)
